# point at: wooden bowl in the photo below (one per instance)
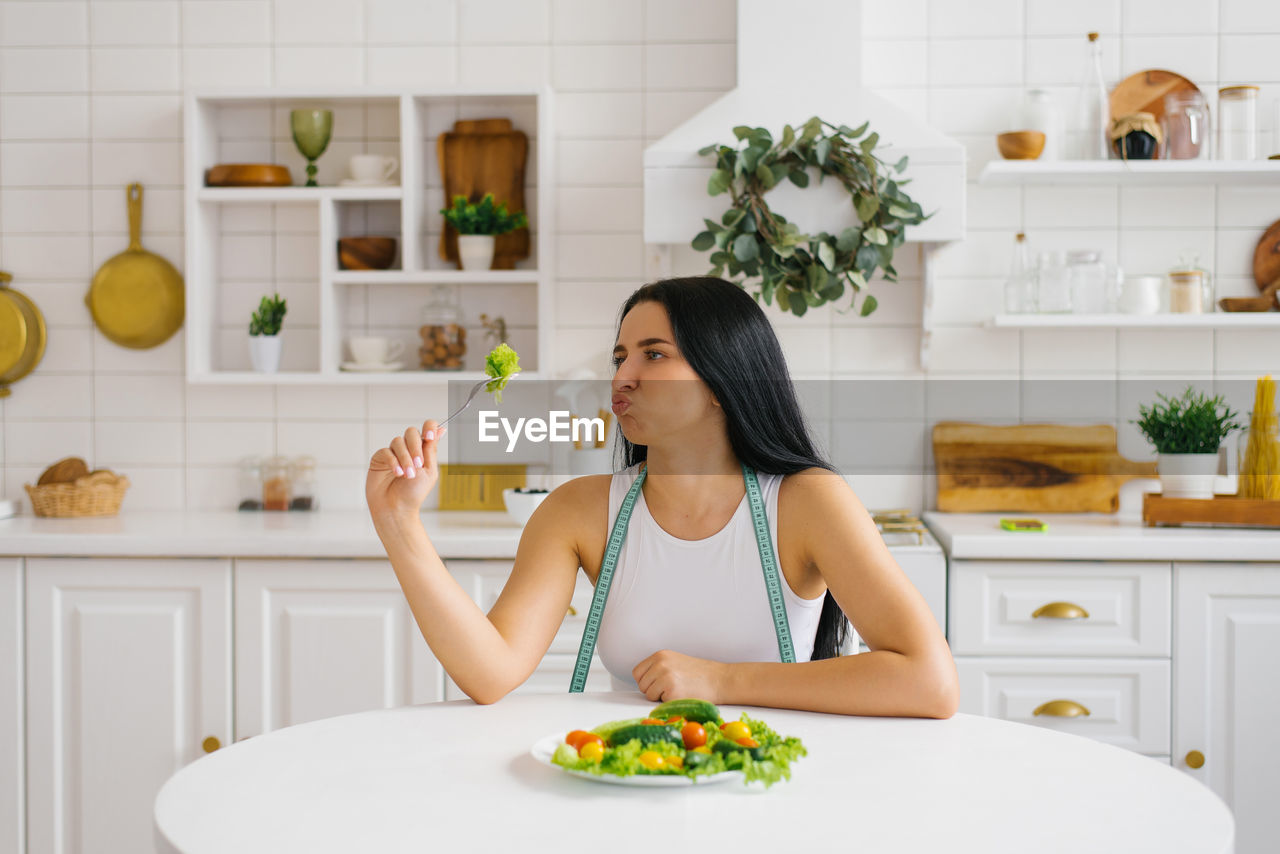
(248, 175)
(366, 253)
(1020, 144)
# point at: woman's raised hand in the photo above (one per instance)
(403, 473)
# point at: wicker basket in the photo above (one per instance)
(96, 494)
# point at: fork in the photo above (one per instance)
(475, 389)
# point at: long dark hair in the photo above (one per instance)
(725, 337)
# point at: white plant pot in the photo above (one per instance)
(1187, 475)
(264, 353)
(475, 251)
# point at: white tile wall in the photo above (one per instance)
(90, 99)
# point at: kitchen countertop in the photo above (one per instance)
(1097, 536)
(335, 533)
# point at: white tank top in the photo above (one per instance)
(705, 598)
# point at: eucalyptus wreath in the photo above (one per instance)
(804, 271)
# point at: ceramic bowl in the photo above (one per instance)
(1020, 144)
(520, 505)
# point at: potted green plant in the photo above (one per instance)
(264, 334)
(1187, 432)
(478, 223)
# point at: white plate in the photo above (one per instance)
(362, 366)
(544, 748)
(352, 182)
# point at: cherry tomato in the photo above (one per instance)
(576, 738)
(694, 735)
(747, 742)
(675, 761)
(652, 760)
(651, 721)
(676, 719)
(735, 730)
(589, 738)
(702, 749)
(592, 750)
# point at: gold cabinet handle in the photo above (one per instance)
(573, 612)
(1061, 611)
(1195, 759)
(210, 744)
(1061, 709)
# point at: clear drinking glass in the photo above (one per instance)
(1238, 123)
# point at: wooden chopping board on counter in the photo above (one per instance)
(485, 156)
(1047, 468)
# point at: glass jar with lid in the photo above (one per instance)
(275, 483)
(302, 483)
(1185, 126)
(250, 477)
(1087, 276)
(1053, 279)
(444, 338)
(1190, 288)
(1238, 123)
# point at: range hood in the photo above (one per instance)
(796, 60)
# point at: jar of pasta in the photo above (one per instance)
(444, 338)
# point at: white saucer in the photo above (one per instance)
(352, 182)
(362, 366)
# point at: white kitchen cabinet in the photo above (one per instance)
(12, 782)
(1227, 690)
(484, 580)
(1119, 701)
(320, 638)
(128, 667)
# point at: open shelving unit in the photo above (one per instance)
(1211, 320)
(1150, 173)
(245, 242)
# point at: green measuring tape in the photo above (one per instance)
(768, 563)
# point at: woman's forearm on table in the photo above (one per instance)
(469, 647)
(879, 683)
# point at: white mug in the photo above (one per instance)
(373, 167)
(374, 349)
(1141, 294)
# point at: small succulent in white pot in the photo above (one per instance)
(264, 334)
(1187, 432)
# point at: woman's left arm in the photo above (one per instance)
(908, 670)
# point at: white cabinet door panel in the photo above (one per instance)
(1227, 690)
(12, 715)
(128, 672)
(1127, 700)
(321, 638)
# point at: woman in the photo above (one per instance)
(707, 413)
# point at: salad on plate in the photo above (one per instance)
(684, 739)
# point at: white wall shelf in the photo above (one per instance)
(235, 252)
(1214, 320)
(1161, 173)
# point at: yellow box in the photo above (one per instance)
(478, 486)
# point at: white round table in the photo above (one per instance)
(459, 777)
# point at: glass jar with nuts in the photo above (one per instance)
(444, 338)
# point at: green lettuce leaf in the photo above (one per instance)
(500, 364)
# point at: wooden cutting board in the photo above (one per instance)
(485, 156)
(1048, 468)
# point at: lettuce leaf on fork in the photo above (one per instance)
(500, 364)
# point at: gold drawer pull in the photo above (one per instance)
(210, 744)
(1061, 611)
(1061, 709)
(573, 612)
(1195, 759)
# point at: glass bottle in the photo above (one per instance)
(444, 338)
(1039, 112)
(302, 482)
(1020, 287)
(1053, 283)
(1092, 118)
(250, 483)
(275, 483)
(1238, 123)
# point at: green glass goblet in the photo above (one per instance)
(311, 132)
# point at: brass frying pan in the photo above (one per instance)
(136, 298)
(22, 335)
